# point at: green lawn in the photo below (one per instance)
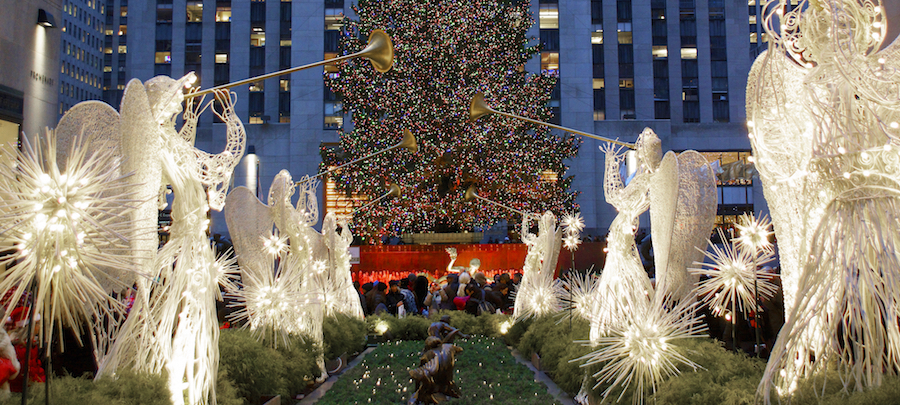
(486, 372)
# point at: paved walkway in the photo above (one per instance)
(541, 377)
(314, 396)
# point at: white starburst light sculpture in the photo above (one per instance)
(642, 350)
(572, 224)
(269, 304)
(732, 275)
(823, 109)
(67, 222)
(753, 234)
(581, 298)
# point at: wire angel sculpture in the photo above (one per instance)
(173, 324)
(623, 286)
(823, 106)
(313, 270)
(340, 294)
(69, 223)
(539, 293)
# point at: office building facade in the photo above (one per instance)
(81, 52)
(30, 38)
(678, 67)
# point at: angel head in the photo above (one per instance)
(649, 149)
(166, 95)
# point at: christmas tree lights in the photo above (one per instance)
(446, 51)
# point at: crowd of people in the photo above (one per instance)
(417, 294)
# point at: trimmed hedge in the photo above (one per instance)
(343, 334)
(251, 368)
(415, 327)
(127, 389)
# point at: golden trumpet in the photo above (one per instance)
(394, 191)
(472, 193)
(408, 142)
(479, 108)
(379, 51)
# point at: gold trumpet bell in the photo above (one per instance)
(409, 142)
(471, 193)
(380, 51)
(395, 190)
(478, 108)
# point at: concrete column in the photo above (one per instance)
(642, 31)
(676, 104)
(577, 99)
(307, 88)
(704, 85)
(239, 55)
(737, 28)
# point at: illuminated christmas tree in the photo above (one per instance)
(444, 52)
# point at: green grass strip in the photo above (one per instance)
(486, 372)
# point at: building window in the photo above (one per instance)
(550, 62)
(596, 11)
(194, 10)
(334, 18)
(549, 16)
(339, 203)
(223, 13)
(164, 57)
(258, 37)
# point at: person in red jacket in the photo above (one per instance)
(17, 326)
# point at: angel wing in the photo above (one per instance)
(250, 221)
(683, 202)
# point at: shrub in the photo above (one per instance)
(255, 369)
(825, 389)
(226, 393)
(516, 331)
(343, 334)
(726, 377)
(412, 327)
(128, 388)
(553, 338)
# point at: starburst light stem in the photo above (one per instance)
(756, 303)
(48, 367)
(571, 274)
(28, 332)
(734, 324)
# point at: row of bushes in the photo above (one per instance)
(415, 327)
(248, 369)
(254, 368)
(725, 377)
